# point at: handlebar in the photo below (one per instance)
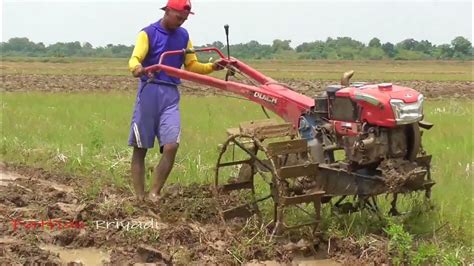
(157, 67)
(190, 51)
(232, 63)
(264, 91)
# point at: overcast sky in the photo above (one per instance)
(103, 21)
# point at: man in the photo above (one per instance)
(156, 111)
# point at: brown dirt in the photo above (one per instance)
(68, 83)
(185, 225)
(350, 252)
(397, 172)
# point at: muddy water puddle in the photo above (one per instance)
(86, 256)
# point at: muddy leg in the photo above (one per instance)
(163, 169)
(393, 211)
(138, 172)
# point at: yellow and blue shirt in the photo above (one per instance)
(153, 40)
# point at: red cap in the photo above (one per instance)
(179, 5)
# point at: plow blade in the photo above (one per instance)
(340, 182)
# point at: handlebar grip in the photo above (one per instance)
(226, 27)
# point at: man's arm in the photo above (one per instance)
(191, 63)
(138, 55)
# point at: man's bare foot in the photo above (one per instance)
(153, 197)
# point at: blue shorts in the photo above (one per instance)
(156, 114)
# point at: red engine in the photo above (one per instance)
(369, 122)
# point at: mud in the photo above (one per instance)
(14, 252)
(350, 252)
(46, 219)
(397, 172)
(69, 83)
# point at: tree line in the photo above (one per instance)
(341, 48)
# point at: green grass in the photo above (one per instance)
(278, 69)
(86, 134)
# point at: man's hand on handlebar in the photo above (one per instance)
(222, 63)
(138, 71)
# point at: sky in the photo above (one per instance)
(101, 22)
